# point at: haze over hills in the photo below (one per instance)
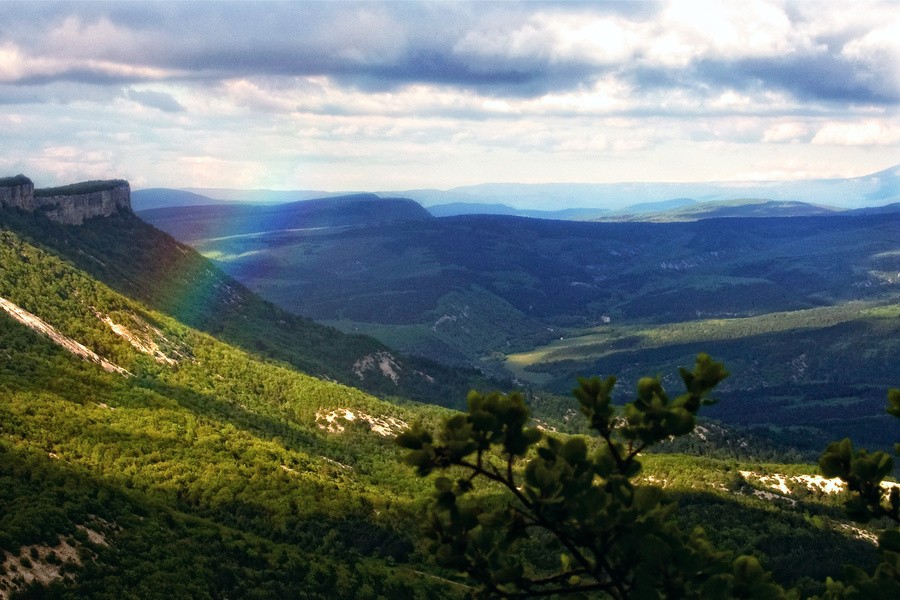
(875, 189)
(150, 198)
(265, 196)
(471, 208)
(693, 211)
(680, 209)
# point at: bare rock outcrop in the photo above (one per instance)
(37, 324)
(70, 204)
(17, 192)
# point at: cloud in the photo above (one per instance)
(462, 90)
(786, 131)
(817, 77)
(57, 92)
(18, 67)
(866, 133)
(158, 100)
(727, 29)
(522, 50)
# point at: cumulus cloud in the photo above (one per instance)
(866, 133)
(526, 49)
(786, 131)
(565, 85)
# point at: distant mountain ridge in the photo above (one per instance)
(571, 201)
(677, 209)
(215, 220)
(876, 189)
(747, 208)
(455, 209)
(150, 198)
(266, 196)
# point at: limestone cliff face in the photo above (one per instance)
(71, 204)
(18, 192)
(74, 209)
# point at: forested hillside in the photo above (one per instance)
(198, 469)
(141, 262)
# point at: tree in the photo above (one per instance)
(573, 498)
(864, 474)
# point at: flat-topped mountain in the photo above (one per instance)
(210, 221)
(69, 204)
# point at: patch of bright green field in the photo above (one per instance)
(604, 340)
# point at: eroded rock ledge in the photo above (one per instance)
(70, 204)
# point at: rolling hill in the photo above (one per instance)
(473, 289)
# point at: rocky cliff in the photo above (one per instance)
(17, 192)
(70, 204)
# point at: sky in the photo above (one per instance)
(342, 96)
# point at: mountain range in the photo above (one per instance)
(869, 190)
(558, 200)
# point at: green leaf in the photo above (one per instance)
(858, 509)
(574, 450)
(463, 485)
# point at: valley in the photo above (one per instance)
(803, 309)
(165, 432)
(449, 300)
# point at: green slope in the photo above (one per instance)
(208, 470)
(412, 283)
(783, 301)
(201, 441)
(803, 377)
(141, 262)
